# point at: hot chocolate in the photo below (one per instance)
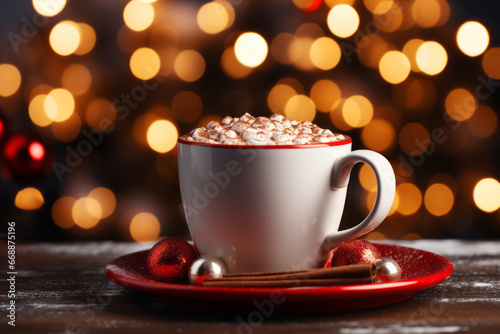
(249, 130)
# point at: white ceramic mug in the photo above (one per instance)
(274, 208)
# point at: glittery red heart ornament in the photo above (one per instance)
(169, 260)
(353, 252)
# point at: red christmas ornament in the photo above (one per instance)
(26, 157)
(353, 252)
(169, 260)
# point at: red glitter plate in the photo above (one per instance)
(420, 270)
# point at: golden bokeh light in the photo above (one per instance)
(331, 3)
(414, 139)
(375, 236)
(62, 212)
(343, 20)
(447, 180)
(483, 122)
(370, 201)
(187, 106)
(36, 111)
(431, 57)
(486, 195)
(410, 50)
(86, 212)
(412, 236)
(378, 6)
(29, 199)
(445, 12)
(162, 136)
(460, 104)
(309, 30)
(394, 67)
(438, 199)
(41, 89)
(229, 9)
(100, 114)
(106, 199)
(300, 108)
(395, 204)
(303, 61)
(77, 79)
(67, 130)
(389, 114)
(325, 94)
(491, 65)
(48, 8)
(378, 135)
(292, 82)
(370, 50)
(143, 121)
(472, 38)
(145, 63)
(231, 66)
(367, 178)
(325, 53)
(415, 94)
(189, 65)
(337, 117)
(357, 111)
(250, 49)
(286, 48)
(391, 16)
(144, 227)
(304, 4)
(426, 13)
(278, 98)
(65, 38)
(59, 105)
(138, 15)
(11, 79)
(213, 17)
(410, 198)
(87, 39)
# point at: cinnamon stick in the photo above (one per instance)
(290, 283)
(354, 270)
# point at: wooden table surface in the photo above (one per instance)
(61, 288)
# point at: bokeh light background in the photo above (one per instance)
(110, 85)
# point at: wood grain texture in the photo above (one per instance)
(61, 288)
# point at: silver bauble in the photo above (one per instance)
(206, 266)
(387, 270)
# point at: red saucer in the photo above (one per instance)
(420, 270)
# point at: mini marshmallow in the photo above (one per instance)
(227, 120)
(239, 126)
(199, 133)
(300, 140)
(281, 137)
(247, 118)
(231, 134)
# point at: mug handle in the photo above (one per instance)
(386, 189)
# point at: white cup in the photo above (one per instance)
(274, 208)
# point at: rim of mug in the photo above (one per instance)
(345, 141)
